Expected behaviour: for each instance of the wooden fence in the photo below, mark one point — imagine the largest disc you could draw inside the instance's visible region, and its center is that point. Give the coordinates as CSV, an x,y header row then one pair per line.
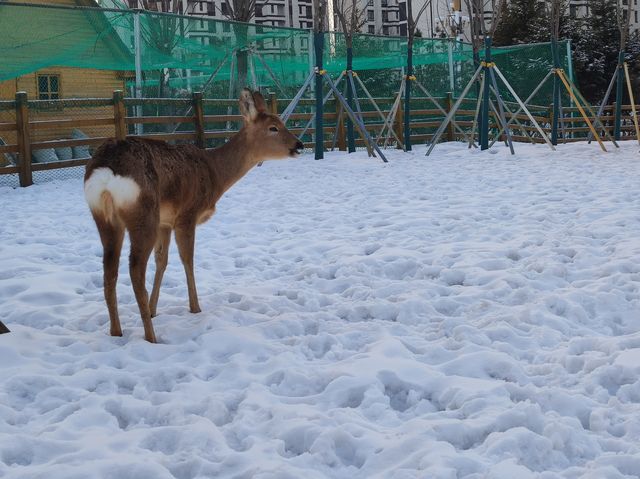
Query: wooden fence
x,y
30,127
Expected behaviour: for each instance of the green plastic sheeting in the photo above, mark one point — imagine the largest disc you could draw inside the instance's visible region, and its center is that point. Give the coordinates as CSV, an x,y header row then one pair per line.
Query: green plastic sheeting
x,y
179,53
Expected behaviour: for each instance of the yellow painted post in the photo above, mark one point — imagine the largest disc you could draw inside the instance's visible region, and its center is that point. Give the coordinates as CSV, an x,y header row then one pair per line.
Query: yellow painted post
x,y
633,101
560,74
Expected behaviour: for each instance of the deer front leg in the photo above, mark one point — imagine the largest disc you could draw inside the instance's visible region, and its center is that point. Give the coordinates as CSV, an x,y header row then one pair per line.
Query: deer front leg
x,y
111,236
142,241
185,239
162,256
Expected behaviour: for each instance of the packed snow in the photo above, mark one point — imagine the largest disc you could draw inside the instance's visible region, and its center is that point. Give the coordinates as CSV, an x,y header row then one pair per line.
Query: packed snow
x,y
465,315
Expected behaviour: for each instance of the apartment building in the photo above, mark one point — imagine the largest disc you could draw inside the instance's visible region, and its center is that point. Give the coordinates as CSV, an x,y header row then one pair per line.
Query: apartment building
x,y
386,17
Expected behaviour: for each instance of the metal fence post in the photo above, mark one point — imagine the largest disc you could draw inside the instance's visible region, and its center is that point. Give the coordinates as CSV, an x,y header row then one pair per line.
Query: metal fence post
x,y
24,139
137,40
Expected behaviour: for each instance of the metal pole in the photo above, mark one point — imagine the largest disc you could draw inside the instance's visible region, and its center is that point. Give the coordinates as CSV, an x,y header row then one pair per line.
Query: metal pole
x,y
632,100
604,101
375,105
556,94
476,114
443,111
354,118
526,110
533,94
324,101
484,122
570,62
318,40
502,117
294,103
351,138
357,103
453,111
452,82
619,92
137,42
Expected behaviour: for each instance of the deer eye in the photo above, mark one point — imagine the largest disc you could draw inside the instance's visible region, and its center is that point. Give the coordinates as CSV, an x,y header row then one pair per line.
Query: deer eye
x,y
274,129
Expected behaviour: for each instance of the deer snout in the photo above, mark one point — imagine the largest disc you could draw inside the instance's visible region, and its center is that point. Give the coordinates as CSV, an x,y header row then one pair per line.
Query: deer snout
x,y
297,149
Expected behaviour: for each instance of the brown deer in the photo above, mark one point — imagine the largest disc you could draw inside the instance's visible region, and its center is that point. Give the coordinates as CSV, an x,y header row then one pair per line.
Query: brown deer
x,y
150,188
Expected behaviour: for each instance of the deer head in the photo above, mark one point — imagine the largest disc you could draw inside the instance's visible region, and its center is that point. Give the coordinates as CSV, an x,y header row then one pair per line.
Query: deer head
x,y
265,134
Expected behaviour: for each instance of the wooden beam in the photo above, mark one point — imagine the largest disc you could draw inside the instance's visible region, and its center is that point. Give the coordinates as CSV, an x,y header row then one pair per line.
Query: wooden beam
x,y
119,114
198,119
24,139
3,328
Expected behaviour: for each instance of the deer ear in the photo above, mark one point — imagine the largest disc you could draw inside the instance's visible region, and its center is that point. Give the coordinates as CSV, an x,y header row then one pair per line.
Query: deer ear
x,y
248,106
258,100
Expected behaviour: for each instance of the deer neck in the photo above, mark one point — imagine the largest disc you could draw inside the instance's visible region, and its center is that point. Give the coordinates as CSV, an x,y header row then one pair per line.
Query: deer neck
x,y
231,161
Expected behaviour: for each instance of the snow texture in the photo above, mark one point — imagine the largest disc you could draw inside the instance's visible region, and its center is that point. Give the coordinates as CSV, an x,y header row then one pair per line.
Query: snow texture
x,y
466,315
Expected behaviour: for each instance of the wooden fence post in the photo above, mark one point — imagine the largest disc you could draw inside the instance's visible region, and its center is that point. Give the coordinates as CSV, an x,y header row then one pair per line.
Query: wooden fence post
x,y
448,106
119,115
273,103
3,328
24,139
399,124
198,119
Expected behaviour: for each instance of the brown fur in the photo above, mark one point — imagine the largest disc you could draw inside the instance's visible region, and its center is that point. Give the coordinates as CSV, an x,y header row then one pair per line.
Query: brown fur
x,y
179,188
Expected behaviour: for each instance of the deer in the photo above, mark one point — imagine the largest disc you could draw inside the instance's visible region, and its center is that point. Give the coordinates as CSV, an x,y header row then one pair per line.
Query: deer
x,y
150,188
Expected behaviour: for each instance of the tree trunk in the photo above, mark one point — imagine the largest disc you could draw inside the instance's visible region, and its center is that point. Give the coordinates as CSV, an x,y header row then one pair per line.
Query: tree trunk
x,y
351,141
619,97
407,96
556,94
318,40
484,126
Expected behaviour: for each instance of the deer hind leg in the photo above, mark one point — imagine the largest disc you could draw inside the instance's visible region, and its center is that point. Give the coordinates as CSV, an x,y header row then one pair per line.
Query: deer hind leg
x,y
162,256
143,237
185,239
111,236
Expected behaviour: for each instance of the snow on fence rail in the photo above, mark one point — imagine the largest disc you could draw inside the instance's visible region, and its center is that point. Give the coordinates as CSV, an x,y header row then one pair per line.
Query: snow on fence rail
x,y
37,135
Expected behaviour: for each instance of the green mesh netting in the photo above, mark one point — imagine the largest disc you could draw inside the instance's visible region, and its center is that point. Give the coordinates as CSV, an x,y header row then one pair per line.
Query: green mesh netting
x,y
179,54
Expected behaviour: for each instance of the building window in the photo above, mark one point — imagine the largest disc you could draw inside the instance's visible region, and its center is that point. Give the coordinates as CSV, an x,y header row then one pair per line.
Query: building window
x,y
370,15
225,9
385,30
370,3
385,16
372,29
48,87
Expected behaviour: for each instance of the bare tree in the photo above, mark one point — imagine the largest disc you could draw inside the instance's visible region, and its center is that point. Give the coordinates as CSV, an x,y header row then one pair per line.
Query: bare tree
x,y
351,17
164,32
623,19
484,18
242,11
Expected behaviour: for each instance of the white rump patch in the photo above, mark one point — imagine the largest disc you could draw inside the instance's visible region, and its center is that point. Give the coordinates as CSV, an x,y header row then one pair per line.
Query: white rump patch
x,y
123,190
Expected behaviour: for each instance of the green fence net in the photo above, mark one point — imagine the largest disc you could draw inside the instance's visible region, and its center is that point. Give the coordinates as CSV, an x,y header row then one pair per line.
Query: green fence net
x,y
179,54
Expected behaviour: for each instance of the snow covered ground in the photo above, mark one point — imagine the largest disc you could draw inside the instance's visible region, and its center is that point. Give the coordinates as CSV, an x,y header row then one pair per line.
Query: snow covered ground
x,y
467,315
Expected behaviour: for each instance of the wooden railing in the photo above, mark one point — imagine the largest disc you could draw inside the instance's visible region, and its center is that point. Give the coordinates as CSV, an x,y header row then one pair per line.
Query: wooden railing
x,y
30,127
